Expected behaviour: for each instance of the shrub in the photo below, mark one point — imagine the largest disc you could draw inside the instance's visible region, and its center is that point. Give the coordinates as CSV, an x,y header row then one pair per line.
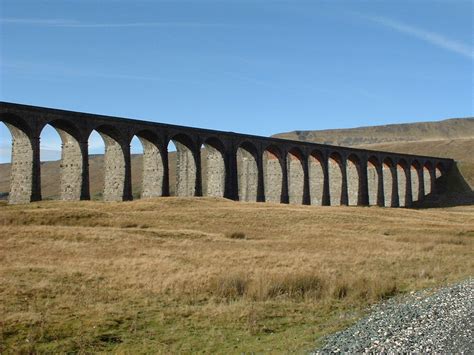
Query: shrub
x,y
236,235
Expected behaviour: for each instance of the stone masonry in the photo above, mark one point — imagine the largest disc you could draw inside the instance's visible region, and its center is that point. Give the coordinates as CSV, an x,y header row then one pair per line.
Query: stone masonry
x,y
236,166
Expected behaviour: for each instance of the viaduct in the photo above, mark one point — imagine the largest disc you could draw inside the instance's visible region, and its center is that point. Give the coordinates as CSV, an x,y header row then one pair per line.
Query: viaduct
x,y
235,166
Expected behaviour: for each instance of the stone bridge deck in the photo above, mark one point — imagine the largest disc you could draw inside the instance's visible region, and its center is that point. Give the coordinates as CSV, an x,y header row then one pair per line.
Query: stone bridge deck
x,y
237,166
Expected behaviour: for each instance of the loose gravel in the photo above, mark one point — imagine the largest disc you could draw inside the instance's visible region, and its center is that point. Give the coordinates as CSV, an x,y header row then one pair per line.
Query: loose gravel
x,y
439,322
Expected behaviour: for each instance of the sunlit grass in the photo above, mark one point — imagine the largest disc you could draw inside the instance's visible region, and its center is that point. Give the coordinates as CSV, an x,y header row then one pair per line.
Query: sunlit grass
x,y
184,275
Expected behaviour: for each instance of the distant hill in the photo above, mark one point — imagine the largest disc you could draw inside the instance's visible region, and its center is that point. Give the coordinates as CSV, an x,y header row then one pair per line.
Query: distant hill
x,y
454,128
452,138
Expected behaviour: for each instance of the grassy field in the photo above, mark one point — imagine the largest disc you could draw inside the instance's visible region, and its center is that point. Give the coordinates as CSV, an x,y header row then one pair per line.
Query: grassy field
x,y
210,275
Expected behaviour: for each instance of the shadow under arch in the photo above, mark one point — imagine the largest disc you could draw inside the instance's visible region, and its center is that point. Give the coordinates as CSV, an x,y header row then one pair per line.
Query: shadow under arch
x,y
353,180
440,182
247,172
316,177
335,178
213,167
295,173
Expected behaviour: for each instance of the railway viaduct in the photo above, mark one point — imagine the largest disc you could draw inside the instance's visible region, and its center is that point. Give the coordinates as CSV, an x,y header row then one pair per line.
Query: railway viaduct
x,y
235,166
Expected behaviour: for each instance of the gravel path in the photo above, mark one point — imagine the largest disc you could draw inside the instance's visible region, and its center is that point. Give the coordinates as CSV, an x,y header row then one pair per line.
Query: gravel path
x,y
440,322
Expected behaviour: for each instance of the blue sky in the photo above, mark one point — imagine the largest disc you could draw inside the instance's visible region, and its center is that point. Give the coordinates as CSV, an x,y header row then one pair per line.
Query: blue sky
x,y
258,67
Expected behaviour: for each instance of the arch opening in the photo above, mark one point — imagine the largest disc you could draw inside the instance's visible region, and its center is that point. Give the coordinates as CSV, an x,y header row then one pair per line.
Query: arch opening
x,y
295,176
5,144
182,166
96,149
247,172
373,180
353,180
335,179
402,183
316,178
136,161
273,174
5,160
213,168
55,171
387,182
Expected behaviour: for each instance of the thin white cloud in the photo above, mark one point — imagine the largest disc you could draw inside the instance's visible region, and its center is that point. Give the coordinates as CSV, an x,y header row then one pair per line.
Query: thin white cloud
x,y
427,36
37,22
78,24
58,69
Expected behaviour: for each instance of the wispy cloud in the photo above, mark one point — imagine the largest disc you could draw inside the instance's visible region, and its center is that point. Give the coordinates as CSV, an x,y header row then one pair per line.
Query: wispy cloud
x,y
59,70
426,36
79,24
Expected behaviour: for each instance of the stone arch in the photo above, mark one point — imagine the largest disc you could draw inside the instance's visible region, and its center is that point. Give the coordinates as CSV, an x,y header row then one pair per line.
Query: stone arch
x,y
387,175
427,177
272,174
353,179
73,155
373,176
24,175
247,172
213,167
115,188
415,180
402,183
186,168
316,178
335,178
295,171
19,123
152,169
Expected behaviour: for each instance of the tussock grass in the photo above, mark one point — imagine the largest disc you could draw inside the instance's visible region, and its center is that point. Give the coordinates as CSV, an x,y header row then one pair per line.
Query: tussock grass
x,y
236,235
265,287
166,275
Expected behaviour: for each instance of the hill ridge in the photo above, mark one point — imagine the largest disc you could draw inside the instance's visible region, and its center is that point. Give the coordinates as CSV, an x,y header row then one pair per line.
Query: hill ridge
x,y
452,128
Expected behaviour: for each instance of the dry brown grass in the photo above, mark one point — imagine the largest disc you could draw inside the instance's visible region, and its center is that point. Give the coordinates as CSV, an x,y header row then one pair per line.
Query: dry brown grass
x,y
166,275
